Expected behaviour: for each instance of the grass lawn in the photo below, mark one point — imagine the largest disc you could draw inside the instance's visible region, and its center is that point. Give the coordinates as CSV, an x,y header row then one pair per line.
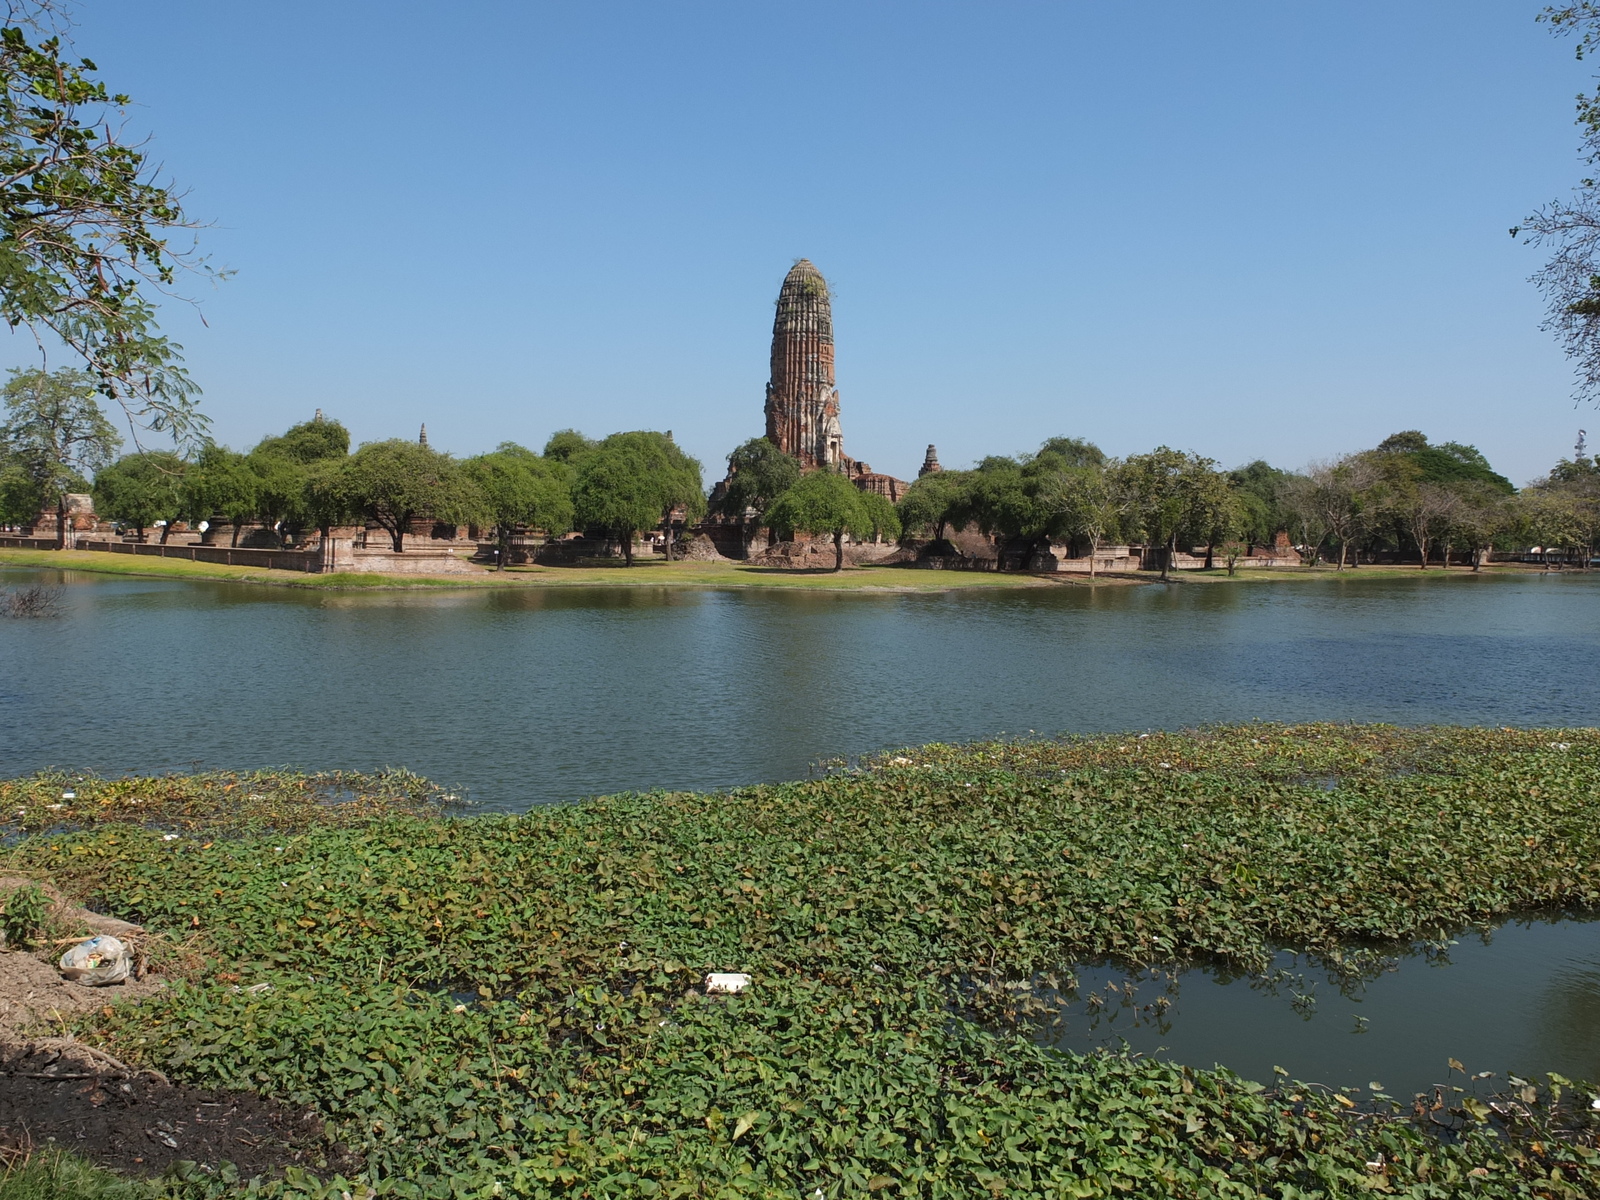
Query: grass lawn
x,y
646,574
657,573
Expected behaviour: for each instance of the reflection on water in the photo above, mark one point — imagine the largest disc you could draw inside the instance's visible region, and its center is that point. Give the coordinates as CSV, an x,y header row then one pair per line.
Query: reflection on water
x,y
530,695
1523,1000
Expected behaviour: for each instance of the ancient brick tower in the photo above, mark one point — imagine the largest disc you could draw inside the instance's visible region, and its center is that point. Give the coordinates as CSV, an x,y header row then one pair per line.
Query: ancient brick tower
x,y
802,401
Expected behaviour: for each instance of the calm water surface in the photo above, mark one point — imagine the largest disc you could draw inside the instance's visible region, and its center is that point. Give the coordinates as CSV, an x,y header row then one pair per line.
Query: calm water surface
x,y
525,696
1524,999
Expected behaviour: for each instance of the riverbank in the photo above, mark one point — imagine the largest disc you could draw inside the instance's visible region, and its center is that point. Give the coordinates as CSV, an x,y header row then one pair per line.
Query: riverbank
x,y
657,573
647,573
518,1005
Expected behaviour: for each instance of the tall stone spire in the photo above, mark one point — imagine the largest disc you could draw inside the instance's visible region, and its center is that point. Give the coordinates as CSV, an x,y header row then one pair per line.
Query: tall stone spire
x,y
802,402
422,438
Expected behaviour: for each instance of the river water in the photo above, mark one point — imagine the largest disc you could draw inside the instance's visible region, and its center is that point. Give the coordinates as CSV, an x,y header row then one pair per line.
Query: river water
x,y
527,696
1523,998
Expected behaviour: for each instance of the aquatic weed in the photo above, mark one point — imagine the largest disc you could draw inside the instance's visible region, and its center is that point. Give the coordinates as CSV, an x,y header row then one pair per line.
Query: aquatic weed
x,y
894,920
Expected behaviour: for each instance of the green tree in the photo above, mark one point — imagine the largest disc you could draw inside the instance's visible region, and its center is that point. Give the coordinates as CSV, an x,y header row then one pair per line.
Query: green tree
x,y
1071,452
1428,509
55,434
1563,509
1020,502
935,502
1087,504
1165,493
634,481
1446,463
20,497
1259,487
142,490
826,504
758,473
286,466
568,446
1300,503
520,489
308,442
1001,504
84,232
883,521
325,495
221,483
1351,495
396,481
1218,514
1481,516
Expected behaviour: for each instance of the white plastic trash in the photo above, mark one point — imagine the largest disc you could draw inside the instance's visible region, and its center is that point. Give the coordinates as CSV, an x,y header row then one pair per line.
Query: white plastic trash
x,y
97,962
727,981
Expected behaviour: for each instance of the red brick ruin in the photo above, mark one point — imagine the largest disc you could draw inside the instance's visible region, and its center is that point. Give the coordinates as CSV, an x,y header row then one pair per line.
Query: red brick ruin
x,y
802,407
802,402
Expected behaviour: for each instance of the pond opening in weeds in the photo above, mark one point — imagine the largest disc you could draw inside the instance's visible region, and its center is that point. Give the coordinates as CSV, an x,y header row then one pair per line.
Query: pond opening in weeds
x,y
1523,999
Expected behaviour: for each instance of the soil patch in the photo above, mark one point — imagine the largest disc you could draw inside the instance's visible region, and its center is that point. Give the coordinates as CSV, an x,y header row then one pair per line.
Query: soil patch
x,y
60,1093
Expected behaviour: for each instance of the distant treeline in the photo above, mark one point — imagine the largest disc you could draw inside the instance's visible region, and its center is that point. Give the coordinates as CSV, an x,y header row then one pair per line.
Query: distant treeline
x,y
1404,497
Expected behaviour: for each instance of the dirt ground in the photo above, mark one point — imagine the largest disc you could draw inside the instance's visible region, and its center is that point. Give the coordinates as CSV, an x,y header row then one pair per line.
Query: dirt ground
x,y
58,1091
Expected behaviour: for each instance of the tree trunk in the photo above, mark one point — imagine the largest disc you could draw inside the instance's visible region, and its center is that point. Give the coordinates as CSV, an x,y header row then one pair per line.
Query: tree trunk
x,y
1094,545
235,542
1210,550
505,548
165,530
1447,556
397,537
627,547
61,520
1167,552
838,550
1422,544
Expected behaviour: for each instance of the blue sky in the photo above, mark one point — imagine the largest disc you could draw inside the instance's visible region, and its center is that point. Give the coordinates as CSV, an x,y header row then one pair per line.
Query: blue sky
x,y
1247,229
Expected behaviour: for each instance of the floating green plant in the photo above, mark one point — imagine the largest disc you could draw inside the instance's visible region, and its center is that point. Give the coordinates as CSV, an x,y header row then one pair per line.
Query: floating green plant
x,y
519,1002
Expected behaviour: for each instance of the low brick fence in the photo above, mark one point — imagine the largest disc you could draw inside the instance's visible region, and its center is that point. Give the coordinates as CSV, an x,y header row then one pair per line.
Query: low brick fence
x,y
233,556
17,541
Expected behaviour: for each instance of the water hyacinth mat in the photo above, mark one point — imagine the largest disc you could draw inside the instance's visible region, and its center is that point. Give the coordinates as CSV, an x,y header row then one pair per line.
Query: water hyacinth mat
x,y
517,1005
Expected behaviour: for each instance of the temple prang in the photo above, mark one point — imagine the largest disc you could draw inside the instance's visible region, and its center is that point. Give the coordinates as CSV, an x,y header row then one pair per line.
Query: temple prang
x,y
802,406
802,402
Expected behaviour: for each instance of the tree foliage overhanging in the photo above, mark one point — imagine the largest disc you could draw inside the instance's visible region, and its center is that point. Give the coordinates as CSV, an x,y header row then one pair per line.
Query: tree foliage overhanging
x,y
85,224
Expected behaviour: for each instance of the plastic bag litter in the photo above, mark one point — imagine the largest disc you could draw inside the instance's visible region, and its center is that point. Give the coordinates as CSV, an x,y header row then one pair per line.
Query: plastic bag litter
x,y
97,962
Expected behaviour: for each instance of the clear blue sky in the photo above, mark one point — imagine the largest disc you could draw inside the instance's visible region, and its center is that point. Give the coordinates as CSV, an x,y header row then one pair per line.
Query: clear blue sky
x,y
1248,229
